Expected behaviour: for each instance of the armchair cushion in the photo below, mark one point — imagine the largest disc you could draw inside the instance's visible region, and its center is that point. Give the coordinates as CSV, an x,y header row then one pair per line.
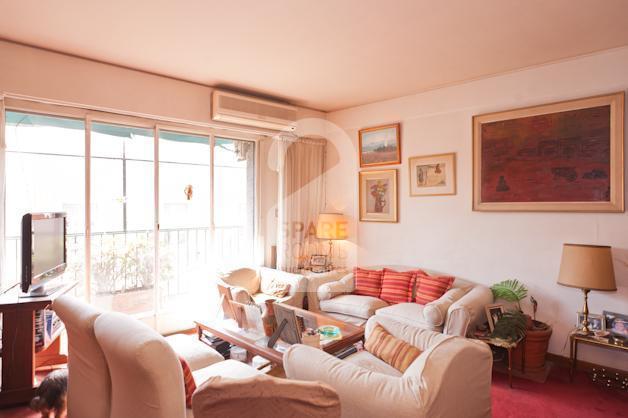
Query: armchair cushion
x,y
274,287
188,381
354,305
393,351
297,282
368,361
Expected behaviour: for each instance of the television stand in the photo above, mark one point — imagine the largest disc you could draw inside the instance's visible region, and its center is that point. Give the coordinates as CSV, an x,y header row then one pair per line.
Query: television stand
x,y
42,291
19,358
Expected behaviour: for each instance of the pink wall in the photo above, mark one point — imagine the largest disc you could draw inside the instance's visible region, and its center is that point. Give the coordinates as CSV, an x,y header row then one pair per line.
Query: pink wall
x,y
443,233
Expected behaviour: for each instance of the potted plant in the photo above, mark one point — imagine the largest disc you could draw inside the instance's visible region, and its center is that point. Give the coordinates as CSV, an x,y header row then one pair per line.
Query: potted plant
x,y
516,324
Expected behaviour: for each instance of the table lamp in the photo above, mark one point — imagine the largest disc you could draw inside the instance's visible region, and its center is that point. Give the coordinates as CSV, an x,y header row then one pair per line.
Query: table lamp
x,y
587,267
331,226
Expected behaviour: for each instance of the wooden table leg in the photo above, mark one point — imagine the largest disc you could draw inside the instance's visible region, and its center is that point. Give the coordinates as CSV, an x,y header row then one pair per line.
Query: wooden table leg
x,y
510,367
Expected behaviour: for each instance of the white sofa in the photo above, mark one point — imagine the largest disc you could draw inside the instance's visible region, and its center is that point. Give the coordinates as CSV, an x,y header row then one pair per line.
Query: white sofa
x,y
247,284
455,313
450,379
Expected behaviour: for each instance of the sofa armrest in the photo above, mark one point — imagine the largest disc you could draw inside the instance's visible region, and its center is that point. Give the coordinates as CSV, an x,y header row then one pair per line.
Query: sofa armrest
x,y
316,280
240,294
435,312
468,311
297,282
362,392
333,289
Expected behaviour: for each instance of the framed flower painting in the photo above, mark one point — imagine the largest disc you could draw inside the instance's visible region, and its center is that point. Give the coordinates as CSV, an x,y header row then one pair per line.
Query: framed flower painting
x,y
378,196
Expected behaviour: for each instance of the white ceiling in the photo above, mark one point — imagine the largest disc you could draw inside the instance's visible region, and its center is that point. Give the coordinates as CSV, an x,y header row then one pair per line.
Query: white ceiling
x,y
323,54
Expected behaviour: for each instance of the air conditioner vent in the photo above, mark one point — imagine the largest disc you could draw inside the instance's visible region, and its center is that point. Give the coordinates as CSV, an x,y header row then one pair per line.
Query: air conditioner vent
x,y
251,111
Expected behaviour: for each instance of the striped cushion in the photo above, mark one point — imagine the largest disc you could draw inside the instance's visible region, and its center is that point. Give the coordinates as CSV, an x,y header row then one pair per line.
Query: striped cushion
x,y
367,282
397,286
393,351
188,382
430,288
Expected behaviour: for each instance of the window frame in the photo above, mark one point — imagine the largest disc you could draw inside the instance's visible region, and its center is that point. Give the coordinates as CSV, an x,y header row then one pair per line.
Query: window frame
x,y
90,116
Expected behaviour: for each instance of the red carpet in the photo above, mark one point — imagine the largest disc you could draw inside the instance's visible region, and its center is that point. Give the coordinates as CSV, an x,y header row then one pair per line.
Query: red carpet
x,y
556,398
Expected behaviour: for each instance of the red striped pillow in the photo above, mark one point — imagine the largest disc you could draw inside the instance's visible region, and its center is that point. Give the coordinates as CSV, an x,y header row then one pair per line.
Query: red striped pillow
x,y
367,282
430,288
397,286
188,382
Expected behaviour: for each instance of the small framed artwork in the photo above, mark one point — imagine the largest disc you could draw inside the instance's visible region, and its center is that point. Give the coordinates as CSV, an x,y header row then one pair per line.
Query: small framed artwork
x,y
493,314
318,260
596,322
560,157
433,175
380,145
378,196
616,324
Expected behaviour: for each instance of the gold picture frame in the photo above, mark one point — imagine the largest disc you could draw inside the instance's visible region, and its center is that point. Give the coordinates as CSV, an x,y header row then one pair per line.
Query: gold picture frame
x,y
558,157
374,145
432,175
493,312
379,198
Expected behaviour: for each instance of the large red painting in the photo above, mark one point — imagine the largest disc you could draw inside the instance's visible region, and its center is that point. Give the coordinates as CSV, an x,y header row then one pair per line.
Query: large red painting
x,y
555,157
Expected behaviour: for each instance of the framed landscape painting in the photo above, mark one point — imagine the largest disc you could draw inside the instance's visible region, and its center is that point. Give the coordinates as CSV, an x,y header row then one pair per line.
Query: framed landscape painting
x,y
565,156
433,175
380,145
378,196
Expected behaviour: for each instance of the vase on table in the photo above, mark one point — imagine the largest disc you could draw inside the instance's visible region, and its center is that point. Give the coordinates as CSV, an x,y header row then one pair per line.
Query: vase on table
x,y
268,318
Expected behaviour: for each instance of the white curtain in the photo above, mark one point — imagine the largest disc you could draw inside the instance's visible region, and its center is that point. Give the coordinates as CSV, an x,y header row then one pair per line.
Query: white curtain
x,y
2,196
301,163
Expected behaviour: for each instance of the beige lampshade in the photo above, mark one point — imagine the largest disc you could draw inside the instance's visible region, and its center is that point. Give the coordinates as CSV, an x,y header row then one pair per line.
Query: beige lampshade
x,y
587,267
332,226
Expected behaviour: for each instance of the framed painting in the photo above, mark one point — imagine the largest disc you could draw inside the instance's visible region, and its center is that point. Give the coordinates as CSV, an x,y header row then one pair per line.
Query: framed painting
x,y
378,196
565,156
380,145
433,175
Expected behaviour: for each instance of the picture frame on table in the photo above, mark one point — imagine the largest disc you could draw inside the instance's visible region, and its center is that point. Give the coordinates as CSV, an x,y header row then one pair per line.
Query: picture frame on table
x,y
380,145
432,175
616,324
556,157
379,198
319,260
494,312
596,321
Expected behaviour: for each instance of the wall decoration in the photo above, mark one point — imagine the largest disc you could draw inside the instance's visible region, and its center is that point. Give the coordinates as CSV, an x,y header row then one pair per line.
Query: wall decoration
x,y
378,196
432,175
564,156
380,145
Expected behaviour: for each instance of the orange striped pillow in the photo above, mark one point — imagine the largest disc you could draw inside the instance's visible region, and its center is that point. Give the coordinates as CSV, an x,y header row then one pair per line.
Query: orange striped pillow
x,y
367,282
393,351
397,286
188,382
430,288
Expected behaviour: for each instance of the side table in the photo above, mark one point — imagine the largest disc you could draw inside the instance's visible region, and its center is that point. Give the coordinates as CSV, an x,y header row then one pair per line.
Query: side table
x,y
509,346
576,338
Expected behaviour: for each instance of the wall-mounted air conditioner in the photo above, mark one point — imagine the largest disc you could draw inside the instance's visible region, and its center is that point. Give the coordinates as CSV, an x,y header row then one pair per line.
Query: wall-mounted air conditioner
x,y
251,111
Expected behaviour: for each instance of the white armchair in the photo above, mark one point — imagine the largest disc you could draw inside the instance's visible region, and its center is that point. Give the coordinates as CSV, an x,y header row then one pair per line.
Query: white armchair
x,y
248,284
451,378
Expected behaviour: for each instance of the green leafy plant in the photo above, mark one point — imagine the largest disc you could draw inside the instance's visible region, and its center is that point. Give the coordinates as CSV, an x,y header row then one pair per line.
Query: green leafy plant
x,y
511,326
510,290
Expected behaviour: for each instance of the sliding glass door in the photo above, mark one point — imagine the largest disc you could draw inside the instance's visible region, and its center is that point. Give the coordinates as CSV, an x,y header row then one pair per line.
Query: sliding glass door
x,y
122,218
193,194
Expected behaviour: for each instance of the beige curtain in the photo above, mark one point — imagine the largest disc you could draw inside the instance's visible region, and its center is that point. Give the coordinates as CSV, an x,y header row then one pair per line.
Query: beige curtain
x,y
301,163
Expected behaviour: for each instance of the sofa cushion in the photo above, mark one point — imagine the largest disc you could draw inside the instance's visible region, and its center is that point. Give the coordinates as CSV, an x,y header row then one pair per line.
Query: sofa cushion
x,y
188,381
367,282
430,288
196,353
410,314
436,312
274,287
398,353
261,298
397,286
227,368
354,305
368,361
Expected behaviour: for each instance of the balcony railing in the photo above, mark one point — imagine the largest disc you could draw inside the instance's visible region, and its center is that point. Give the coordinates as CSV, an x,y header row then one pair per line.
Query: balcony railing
x,y
123,261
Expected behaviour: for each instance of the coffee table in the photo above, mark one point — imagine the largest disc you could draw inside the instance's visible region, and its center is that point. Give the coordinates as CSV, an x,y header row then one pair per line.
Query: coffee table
x,y
256,342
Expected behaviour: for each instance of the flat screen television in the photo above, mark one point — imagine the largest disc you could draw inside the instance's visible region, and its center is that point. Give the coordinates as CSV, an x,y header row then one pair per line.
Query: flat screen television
x,y
44,255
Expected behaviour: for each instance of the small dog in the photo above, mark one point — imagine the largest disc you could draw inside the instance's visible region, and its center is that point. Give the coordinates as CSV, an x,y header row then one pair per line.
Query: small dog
x,y
51,395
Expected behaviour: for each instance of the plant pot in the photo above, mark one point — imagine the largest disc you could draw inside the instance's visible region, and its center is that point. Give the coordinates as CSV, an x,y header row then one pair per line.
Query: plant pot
x,y
536,343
